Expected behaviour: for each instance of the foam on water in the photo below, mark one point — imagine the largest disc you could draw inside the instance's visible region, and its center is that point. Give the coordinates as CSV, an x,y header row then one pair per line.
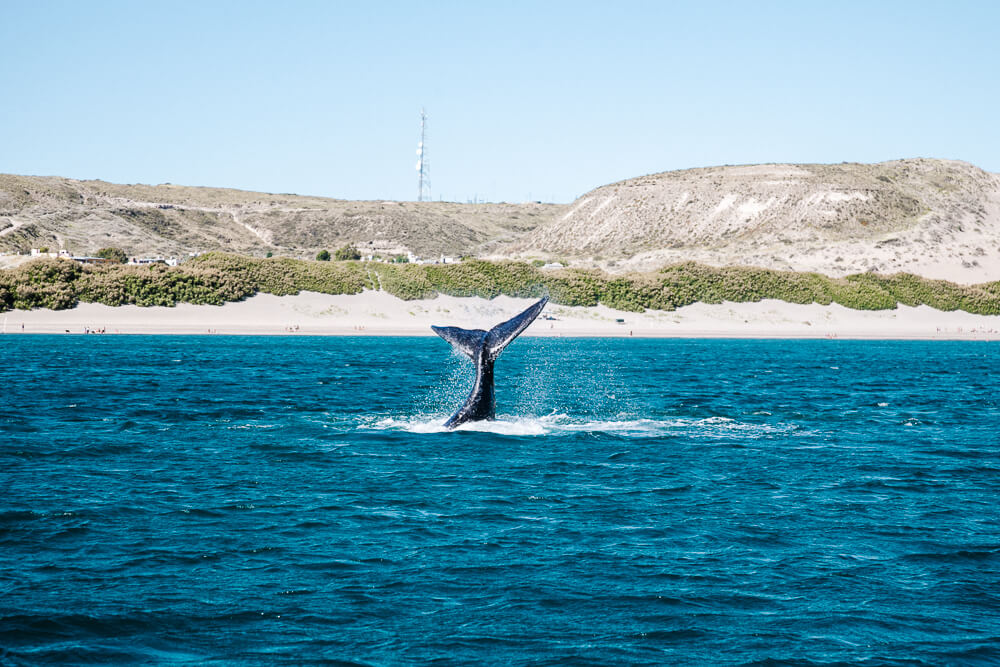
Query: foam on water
x,y
556,424
435,424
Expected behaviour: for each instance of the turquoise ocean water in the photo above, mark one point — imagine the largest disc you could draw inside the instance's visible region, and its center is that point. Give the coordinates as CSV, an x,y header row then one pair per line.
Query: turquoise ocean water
x,y
240,500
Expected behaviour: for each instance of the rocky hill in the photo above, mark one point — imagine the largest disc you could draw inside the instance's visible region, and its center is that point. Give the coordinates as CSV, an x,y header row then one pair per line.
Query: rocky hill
x,y
171,220
932,217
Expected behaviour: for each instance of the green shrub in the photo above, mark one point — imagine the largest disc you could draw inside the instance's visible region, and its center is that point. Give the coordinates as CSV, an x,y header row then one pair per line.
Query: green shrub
x,y
115,255
44,283
406,281
47,271
159,285
323,255
281,275
6,298
346,253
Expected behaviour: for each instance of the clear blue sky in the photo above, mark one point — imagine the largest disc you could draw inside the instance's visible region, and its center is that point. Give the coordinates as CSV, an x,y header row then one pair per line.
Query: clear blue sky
x,y
539,100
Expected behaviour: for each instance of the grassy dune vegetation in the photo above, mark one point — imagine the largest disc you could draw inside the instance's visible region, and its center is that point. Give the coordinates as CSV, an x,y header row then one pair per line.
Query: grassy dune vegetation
x,y
217,278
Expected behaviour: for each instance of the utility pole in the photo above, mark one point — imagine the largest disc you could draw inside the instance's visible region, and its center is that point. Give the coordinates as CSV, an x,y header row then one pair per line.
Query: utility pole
x,y
423,166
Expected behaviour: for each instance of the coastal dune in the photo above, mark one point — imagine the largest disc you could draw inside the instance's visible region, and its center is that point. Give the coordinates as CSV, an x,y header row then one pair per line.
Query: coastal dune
x,y
934,218
379,313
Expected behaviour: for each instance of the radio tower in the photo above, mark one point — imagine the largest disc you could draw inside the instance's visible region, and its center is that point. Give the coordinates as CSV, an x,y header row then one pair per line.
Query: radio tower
x,y
423,166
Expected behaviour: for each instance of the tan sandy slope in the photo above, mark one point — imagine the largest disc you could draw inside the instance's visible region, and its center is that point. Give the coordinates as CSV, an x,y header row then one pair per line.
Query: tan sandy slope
x,y
936,218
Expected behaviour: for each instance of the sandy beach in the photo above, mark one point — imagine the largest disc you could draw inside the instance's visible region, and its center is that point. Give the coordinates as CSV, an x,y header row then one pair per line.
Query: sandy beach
x,y
378,313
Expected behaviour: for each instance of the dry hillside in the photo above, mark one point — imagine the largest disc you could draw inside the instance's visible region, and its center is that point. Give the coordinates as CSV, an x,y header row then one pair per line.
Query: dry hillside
x,y
170,220
936,218
933,217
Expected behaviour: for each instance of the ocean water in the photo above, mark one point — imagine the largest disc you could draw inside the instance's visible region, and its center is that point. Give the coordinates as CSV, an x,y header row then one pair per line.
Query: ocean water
x,y
239,500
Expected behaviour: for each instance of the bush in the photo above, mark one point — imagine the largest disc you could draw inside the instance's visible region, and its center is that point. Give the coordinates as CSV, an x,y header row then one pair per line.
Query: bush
x,y
406,281
346,253
6,298
44,283
158,285
282,276
115,255
323,255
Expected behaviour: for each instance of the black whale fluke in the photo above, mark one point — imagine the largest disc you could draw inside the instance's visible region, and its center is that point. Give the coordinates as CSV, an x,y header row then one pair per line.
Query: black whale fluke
x,y
483,348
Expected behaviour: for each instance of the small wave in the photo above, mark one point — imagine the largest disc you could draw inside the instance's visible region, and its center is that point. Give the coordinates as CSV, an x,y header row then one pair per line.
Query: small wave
x,y
561,424
251,426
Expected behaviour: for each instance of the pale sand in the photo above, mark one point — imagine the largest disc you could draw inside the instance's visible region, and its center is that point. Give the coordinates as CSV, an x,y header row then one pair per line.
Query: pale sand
x,y
378,313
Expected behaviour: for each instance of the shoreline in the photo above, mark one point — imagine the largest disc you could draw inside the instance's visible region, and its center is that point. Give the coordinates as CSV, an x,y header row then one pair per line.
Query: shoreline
x,y
692,336
380,314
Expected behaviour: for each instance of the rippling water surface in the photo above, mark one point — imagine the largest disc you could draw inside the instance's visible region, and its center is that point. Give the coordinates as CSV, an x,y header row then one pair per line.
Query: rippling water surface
x,y
268,500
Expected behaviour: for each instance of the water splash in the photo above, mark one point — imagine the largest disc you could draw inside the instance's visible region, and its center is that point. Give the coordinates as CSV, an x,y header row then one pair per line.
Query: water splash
x,y
556,424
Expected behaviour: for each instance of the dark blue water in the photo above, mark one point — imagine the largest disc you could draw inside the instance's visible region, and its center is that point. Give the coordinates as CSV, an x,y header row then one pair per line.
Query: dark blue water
x,y
270,500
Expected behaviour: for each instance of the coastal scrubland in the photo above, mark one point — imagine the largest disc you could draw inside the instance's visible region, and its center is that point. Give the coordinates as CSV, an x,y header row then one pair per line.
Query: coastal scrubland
x,y
217,278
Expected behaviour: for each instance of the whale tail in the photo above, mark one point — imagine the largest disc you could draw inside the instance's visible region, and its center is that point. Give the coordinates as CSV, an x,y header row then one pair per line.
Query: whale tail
x,y
483,348
470,341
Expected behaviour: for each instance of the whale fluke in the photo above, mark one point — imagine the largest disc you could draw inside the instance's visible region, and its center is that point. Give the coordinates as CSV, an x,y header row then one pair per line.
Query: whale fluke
x,y
466,341
483,348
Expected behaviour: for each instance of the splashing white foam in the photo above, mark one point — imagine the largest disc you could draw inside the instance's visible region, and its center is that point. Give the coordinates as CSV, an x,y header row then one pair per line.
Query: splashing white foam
x,y
560,424
423,424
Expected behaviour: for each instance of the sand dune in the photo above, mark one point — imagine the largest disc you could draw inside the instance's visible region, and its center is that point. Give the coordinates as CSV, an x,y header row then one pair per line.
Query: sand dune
x,y
935,218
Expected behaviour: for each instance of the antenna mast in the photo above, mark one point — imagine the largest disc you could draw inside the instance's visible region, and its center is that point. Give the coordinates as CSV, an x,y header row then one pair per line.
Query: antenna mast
x,y
423,166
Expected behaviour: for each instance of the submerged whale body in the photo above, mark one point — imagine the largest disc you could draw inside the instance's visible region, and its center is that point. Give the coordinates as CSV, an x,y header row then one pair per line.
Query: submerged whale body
x,y
483,348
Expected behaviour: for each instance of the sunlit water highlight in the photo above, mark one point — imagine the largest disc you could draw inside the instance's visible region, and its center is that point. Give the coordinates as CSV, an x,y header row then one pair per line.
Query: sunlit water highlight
x,y
270,500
